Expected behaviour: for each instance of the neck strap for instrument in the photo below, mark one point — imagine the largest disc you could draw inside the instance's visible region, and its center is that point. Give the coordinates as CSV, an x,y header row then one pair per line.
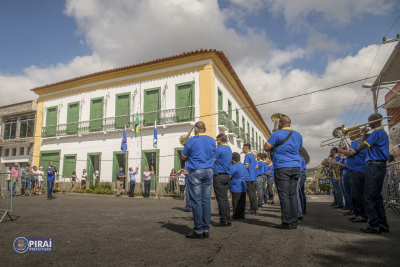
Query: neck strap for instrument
x,y
287,138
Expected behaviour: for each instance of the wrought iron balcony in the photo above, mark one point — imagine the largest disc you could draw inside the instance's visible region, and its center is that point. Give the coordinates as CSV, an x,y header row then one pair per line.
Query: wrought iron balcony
x,y
163,117
223,119
241,134
233,127
247,138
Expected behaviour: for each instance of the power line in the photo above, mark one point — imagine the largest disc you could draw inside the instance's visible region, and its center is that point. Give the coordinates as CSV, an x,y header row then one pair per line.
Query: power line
x,y
392,25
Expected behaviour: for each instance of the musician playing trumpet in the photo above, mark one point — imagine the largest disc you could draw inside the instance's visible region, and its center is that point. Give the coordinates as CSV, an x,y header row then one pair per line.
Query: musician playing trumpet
x,y
337,192
377,145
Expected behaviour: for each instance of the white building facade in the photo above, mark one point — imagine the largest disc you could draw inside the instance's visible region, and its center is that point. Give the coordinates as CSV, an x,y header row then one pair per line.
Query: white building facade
x,y
81,121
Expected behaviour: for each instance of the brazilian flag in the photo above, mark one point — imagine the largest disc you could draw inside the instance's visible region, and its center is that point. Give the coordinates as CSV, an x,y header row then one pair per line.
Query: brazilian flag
x,y
137,124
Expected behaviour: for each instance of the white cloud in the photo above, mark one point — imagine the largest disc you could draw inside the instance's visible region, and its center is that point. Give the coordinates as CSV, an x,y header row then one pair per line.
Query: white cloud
x,y
127,32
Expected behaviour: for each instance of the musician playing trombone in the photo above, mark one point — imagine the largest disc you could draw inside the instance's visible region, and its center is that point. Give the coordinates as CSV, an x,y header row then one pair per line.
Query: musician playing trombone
x,y
375,171
355,162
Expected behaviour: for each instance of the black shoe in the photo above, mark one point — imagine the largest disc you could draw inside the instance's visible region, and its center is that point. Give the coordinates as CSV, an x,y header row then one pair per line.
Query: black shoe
x,y
352,218
360,219
305,212
384,229
333,204
250,212
370,230
260,205
300,218
283,226
221,224
53,197
195,236
188,211
349,213
49,198
272,203
294,226
338,207
206,234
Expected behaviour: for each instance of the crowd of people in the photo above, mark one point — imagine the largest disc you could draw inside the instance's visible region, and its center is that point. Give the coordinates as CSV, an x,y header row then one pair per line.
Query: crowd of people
x,y
357,174
210,165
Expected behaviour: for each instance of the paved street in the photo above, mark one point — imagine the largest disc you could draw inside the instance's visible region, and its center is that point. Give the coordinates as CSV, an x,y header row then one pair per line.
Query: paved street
x,y
95,230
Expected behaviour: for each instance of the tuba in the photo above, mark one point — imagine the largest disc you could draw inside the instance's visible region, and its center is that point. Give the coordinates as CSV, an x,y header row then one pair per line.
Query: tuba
x,y
183,138
275,118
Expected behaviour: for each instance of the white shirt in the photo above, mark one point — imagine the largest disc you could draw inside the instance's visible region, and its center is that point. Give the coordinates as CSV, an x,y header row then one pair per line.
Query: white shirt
x,y
84,175
147,175
182,178
40,176
96,173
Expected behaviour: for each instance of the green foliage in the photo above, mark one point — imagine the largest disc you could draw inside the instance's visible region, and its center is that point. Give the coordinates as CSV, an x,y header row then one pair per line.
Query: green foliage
x,y
325,187
312,188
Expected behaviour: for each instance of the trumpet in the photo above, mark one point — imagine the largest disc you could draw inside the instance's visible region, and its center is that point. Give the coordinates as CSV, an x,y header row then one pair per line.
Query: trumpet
x,y
183,138
342,132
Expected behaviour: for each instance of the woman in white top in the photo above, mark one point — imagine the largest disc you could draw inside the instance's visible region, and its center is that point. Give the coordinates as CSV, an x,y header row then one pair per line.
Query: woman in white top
x,y
182,177
83,180
40,174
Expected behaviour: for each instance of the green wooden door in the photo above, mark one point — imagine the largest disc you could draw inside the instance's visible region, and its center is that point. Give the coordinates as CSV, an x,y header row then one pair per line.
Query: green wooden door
x,y
96,115
237,124
89,170
72,118
178,162
122,111
152,104
149,158
120,160
69,165
46,157
184,97
220,107
51,122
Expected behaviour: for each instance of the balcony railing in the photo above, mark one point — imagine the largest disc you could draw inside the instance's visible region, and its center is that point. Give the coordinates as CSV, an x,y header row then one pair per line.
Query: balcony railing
x,y
242,134
233,127
252,143
247,138
223,118
163,117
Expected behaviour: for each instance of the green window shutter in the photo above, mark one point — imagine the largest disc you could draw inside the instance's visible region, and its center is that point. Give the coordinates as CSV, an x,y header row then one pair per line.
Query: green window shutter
x,y
151,103
220,107
122,108
51,122
69,165
72,118
96,115
46,157
184,97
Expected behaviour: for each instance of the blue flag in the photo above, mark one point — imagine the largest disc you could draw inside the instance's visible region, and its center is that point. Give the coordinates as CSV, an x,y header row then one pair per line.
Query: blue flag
x,y
124,143
155,135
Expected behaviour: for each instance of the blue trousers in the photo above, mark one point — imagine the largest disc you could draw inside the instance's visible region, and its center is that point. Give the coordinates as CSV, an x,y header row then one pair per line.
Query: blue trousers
x,y
338,193
188,205
50,185
200,186
345,184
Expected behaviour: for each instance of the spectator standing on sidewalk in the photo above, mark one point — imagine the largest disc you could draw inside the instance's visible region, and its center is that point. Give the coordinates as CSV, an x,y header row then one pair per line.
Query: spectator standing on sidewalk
x,y
132,181
147,181
120,181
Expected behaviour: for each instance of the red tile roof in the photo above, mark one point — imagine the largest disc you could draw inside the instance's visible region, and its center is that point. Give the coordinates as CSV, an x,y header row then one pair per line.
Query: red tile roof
x,y
220,54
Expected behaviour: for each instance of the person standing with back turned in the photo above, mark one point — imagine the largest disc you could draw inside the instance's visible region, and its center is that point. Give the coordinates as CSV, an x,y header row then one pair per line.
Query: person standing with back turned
x,y
199,152
375,171
221,179
287,164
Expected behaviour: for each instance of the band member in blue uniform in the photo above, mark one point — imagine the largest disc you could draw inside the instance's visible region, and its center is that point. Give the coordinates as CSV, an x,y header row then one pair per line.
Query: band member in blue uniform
x,y
251,178
287,164
260,180
221,179
375,171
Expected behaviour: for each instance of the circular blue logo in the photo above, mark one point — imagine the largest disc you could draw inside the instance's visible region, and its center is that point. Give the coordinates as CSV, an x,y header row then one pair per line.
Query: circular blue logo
x,y
21,245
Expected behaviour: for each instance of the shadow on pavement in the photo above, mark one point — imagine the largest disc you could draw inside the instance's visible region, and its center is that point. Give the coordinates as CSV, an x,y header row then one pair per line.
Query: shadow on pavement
x,y
177,228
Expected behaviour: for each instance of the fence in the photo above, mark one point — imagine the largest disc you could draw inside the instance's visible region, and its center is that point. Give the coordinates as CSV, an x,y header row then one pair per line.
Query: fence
x,y
165,188
6,204
391,187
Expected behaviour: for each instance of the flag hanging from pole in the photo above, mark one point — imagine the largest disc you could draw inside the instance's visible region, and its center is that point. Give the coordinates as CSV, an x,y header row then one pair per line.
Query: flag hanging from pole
x,y
124,143
137,124
155,134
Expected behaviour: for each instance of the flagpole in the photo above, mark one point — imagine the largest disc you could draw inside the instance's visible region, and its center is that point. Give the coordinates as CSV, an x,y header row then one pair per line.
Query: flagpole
x,y
140,133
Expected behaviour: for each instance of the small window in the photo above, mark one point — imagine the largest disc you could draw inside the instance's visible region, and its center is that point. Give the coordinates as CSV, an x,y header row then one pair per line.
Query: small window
x,y
7,152
21,151
14,152
28,149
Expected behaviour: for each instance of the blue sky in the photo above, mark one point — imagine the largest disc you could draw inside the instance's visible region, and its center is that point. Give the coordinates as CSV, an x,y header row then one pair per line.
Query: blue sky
x,y
278,48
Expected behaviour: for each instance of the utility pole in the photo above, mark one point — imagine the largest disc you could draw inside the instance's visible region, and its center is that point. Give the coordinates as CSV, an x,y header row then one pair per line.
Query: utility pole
x,y
374,95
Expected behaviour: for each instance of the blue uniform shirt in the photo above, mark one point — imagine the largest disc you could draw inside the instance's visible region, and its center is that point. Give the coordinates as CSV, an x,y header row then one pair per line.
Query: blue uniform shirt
x,y
200,151
265,168
223,159
286,155
260,170
238,173
378,145
51,176
357,161
303,164
250,162
342,160
271,169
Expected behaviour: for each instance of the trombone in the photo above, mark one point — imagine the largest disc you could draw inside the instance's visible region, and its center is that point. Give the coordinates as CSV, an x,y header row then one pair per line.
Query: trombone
x,y
183,138
341,132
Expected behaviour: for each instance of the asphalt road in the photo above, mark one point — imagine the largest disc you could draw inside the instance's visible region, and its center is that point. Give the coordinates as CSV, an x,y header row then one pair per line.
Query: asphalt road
x,y
95,230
